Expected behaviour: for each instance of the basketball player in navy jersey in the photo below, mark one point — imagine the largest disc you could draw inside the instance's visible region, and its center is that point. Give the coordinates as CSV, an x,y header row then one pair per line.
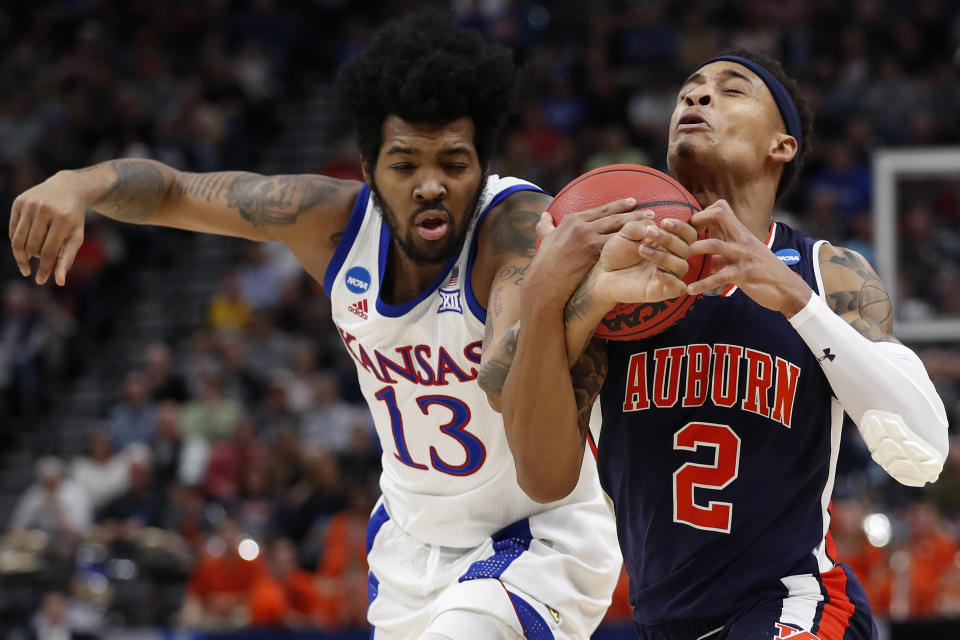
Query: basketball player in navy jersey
x,y
719,436
422,262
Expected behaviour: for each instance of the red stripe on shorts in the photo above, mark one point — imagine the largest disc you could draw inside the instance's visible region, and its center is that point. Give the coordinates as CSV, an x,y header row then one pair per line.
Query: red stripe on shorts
x,y
837,609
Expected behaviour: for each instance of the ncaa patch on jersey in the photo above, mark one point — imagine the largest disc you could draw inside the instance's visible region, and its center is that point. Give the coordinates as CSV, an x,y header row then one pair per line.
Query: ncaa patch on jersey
x,y
788,256
358,280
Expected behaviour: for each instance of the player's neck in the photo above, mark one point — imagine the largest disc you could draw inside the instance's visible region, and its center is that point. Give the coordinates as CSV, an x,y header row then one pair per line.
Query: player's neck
x,y
405,279
751,202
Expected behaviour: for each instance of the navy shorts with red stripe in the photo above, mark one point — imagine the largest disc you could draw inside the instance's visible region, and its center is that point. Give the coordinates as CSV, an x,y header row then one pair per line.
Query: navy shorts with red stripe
x,y
842,613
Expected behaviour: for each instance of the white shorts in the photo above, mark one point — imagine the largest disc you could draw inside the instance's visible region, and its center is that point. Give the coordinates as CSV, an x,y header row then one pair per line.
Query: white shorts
x,y
548,576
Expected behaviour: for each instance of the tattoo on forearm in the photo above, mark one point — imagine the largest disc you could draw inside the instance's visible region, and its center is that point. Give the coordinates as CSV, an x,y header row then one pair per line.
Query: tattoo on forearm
x,y
870,303
514,273
493,373
516,229
588,375
579,302
262,200
134,196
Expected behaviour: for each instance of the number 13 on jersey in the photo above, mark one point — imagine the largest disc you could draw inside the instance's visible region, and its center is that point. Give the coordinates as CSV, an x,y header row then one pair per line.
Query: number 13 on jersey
x,y
456,428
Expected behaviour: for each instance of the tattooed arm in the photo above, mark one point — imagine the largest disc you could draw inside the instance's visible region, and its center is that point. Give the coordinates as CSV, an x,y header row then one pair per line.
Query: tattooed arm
x,y
505,247
855,293
47,220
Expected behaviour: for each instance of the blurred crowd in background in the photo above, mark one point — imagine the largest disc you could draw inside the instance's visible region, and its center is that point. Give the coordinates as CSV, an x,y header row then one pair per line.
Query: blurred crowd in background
x,y
228,474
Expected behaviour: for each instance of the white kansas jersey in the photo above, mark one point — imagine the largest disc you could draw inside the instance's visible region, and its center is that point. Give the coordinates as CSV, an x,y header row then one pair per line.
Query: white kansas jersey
x,y
448,475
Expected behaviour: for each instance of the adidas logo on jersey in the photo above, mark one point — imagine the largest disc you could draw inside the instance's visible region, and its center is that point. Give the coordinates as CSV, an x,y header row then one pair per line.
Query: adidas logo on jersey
x,y
359,308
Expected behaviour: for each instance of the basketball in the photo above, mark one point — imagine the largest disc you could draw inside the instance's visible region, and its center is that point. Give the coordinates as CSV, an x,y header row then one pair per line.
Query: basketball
x,y
653,190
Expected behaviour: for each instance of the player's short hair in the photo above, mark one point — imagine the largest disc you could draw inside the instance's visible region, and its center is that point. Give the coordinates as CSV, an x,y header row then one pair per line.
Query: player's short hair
x,y
791,170
427,70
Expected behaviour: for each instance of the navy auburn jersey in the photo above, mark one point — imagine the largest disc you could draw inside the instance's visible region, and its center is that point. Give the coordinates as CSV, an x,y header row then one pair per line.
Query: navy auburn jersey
x,y
718,448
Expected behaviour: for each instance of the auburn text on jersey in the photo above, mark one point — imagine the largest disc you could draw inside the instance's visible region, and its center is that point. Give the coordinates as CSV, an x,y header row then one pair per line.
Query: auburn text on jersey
x,y
726,375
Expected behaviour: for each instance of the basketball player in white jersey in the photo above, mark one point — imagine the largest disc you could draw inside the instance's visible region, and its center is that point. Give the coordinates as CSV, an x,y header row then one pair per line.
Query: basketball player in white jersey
x,y
416,259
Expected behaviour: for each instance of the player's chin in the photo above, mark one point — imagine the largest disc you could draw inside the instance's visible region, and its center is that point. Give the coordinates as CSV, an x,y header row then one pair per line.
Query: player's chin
x,y
434,252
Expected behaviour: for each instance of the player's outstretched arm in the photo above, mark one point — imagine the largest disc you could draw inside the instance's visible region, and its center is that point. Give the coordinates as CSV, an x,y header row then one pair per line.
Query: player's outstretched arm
x,y
46,221
881,384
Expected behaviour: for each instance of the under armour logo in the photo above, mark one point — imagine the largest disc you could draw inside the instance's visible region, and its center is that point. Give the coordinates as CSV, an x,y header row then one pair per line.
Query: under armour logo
x,y
827,355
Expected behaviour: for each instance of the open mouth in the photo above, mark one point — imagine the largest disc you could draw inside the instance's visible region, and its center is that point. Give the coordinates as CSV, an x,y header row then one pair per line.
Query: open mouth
x,y
692,121
432,224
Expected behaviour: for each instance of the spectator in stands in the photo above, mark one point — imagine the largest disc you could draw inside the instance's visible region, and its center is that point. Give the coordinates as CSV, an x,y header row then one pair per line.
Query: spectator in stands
x,y
847,180
286,595
240,375
217,589
168,446
361,461
317,497
259,281
162,381
102,473
58,620
932,553
228,460
343,566
274,410
23,339
300,386
256,500
329,421
229,309
134,418
212,416
268,347
203,360
286,457
141,505
53,504
187,514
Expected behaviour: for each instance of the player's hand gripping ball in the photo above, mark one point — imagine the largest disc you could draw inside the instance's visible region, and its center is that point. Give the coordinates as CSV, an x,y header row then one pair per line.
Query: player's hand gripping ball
x,y
664,196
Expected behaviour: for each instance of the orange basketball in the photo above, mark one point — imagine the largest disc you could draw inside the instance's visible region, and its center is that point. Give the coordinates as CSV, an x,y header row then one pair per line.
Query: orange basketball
x,y
653,190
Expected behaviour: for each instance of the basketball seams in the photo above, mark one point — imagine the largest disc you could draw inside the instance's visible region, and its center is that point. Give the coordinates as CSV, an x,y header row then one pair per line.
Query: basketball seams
x,y
663,203
606,180
650,172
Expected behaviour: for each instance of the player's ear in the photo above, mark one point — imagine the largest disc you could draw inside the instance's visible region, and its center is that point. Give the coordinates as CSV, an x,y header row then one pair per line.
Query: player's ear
x,y
367,170
783,147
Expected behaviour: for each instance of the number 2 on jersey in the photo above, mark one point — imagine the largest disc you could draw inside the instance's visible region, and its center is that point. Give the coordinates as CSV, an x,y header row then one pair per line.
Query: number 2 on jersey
x,y
475,452
716,516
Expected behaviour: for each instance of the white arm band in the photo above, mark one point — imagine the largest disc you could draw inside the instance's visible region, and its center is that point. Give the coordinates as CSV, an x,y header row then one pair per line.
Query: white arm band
x,y
885,389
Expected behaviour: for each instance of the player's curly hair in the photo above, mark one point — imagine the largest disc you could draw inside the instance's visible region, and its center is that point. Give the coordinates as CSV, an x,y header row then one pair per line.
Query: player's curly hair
x,y
427,70
791,170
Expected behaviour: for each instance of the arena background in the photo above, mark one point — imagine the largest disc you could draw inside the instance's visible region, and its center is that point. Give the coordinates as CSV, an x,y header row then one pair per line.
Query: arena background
x,y
196,383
